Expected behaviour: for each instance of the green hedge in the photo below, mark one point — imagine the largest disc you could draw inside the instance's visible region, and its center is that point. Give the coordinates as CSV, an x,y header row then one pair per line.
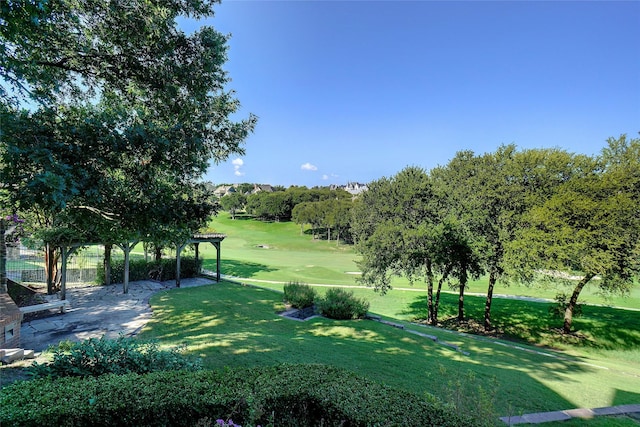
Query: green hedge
x,y
286,395
139,269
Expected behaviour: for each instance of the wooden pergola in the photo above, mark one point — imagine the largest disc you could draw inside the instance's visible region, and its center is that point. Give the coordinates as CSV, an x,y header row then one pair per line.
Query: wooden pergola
x,y
214,238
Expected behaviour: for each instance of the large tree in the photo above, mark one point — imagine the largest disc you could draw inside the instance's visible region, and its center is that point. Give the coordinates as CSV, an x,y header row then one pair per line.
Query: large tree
x,y
489,193
589,225
397,228
233,202
116,114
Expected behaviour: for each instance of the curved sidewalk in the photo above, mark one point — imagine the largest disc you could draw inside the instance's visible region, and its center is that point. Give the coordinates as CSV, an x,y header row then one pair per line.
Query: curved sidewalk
x,y
98,311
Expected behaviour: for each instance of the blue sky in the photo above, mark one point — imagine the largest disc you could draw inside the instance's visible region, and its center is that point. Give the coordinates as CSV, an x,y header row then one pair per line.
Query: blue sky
x,y
356,90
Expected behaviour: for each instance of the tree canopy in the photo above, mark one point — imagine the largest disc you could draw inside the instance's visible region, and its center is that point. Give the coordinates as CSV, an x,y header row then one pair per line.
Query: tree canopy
x,y
514,214
111,115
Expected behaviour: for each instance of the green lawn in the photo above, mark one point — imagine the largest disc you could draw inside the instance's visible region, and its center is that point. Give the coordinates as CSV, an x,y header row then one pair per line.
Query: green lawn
x,y
230,325
275,251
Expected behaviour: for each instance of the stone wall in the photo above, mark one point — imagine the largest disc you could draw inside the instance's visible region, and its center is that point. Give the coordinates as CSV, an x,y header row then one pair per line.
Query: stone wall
x,y
10,318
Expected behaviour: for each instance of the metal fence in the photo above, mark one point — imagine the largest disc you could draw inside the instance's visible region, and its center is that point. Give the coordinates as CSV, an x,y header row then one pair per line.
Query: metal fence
x,y
26,265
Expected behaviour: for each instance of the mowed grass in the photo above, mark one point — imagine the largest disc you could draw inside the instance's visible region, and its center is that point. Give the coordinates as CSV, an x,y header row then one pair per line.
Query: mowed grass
x,y
230,325
233,325
278,251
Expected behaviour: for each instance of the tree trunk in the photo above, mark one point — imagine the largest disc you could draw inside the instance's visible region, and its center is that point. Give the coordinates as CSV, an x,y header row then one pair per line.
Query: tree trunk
x,y
436,305
51,269
158,253
487,306
463,284
568,314
107,263
429,271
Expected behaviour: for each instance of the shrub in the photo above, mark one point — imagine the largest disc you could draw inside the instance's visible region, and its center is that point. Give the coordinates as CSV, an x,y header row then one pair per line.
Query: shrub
x,y
139,269
95,357
342,305
299,295
286,395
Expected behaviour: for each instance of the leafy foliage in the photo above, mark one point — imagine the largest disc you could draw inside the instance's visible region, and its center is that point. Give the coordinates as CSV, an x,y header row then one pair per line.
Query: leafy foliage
x,y
342,304
233,202
299,295
95,357
111,114
291,395
589,224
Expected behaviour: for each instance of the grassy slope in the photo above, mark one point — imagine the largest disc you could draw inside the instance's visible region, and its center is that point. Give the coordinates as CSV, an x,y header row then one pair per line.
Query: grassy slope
x,y
226,325
233,325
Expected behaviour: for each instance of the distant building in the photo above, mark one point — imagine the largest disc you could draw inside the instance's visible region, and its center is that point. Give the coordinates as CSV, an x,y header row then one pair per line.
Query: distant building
x,y
351,187
259,188
223,190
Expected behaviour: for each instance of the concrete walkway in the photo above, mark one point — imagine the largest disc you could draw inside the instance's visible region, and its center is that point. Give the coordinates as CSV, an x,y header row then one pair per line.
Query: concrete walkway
x,y
545,417
98,311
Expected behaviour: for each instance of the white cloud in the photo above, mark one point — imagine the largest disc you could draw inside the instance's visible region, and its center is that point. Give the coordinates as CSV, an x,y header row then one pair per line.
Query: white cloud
x,y
325,177
309,167
237,164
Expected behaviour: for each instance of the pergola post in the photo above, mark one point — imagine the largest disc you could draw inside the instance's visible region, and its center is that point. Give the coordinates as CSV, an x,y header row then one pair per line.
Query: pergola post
x,y
197,248
179,249
217,246
126,248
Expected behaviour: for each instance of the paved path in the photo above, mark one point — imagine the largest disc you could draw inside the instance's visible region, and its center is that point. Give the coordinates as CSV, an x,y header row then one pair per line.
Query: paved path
x,y
544,417
98,311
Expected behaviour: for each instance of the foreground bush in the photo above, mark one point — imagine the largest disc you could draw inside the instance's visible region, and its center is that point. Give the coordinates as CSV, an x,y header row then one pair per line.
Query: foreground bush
x,y
299,295
287,395
341,304
162,270
94,357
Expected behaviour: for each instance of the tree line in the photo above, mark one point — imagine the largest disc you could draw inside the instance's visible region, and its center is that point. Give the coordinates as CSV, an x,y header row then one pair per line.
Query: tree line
x,y
524,215
327,211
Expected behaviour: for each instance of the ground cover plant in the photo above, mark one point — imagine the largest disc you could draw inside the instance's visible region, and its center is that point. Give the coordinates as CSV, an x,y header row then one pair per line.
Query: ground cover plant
x,y
101,356
230,325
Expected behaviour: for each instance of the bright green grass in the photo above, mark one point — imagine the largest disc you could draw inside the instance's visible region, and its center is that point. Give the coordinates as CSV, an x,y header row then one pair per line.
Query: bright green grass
x,y
609,349
232,325
288,255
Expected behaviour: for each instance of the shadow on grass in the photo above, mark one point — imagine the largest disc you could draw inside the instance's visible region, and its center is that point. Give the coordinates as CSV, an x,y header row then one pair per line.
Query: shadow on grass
x,y
623,397
234,325
599,327
236,268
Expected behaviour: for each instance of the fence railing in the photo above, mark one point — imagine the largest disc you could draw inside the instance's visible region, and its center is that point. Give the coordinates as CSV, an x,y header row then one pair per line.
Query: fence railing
x,y
25,265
